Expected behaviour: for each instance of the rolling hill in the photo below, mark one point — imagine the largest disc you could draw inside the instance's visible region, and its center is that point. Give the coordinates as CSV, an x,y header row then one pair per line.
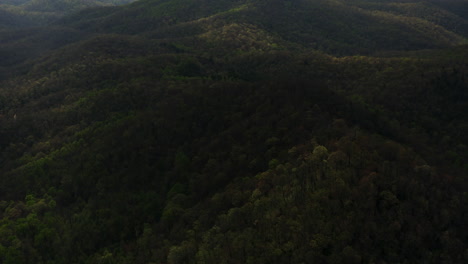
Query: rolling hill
x,y
41,12
236,131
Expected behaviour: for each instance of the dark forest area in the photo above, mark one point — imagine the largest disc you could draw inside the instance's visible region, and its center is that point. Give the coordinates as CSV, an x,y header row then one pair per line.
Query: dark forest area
x,y
233,131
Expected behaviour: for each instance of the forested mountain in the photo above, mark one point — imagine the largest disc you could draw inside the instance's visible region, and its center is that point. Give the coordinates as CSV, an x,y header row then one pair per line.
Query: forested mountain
x,y
234,131
10,20
39,12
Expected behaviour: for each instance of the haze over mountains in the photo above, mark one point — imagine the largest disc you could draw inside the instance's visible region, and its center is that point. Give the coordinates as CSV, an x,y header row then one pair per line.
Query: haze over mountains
x,y
233,131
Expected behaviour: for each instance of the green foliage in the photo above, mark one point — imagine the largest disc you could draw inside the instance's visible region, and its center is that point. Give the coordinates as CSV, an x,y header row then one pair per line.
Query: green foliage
x,y
230,132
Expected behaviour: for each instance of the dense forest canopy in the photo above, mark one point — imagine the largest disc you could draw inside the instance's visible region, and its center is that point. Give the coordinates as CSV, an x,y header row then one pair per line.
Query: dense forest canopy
x,y
233,131
41,12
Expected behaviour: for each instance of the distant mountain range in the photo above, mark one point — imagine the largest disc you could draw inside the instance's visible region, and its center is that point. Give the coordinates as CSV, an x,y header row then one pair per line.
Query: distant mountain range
x,y
21,13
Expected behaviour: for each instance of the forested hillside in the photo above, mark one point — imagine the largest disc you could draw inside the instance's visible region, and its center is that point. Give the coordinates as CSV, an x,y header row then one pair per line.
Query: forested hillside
x,y
235,131
41,12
